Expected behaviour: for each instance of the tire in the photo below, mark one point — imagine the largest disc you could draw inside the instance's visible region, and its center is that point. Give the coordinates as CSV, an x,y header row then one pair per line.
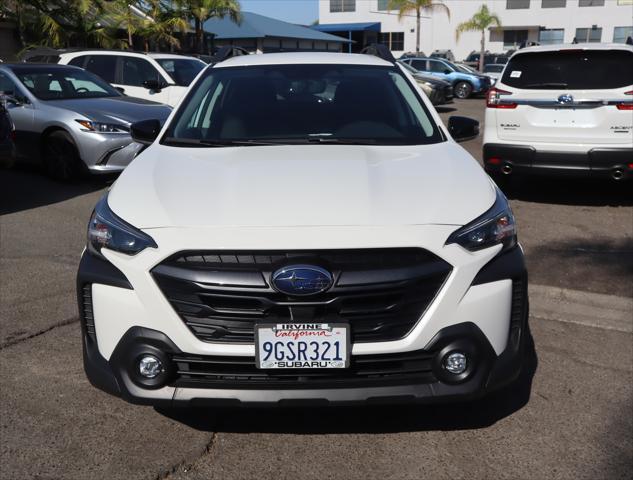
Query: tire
x,y
60,157
462,90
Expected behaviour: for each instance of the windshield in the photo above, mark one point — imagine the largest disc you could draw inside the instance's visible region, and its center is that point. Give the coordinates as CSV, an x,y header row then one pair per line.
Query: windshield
x,y
286,104
181,70
465,68
570,69
63,83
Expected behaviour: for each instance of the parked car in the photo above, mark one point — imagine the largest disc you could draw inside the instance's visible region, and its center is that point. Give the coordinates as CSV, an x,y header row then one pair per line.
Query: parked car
x,y
445,54
304,229
562,109
500,58
7,134
160,77
70,120
412,55
438,91
464,84
493,70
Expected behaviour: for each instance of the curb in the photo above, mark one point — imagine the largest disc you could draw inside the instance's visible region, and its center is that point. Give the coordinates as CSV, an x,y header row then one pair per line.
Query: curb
x,y
597,310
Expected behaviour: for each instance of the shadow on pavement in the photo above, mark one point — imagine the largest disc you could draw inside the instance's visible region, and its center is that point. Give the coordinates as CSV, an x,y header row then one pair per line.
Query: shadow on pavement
x,y
23,188
368,419
445,109
569,191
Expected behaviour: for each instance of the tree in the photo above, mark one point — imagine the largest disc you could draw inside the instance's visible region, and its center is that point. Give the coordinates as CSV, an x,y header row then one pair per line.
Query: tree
x,y
408,7
199,11
161,23
480,22
125,18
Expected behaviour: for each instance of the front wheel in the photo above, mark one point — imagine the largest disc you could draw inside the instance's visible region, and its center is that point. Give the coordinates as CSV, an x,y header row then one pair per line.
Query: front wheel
x,y
60,156
463,90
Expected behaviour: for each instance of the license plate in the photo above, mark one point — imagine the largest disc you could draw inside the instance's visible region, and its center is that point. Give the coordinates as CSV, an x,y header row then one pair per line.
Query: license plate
x,y
302,345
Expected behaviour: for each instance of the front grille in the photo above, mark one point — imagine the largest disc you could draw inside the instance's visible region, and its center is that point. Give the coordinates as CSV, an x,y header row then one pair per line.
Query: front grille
x,y
381,293
365,370
87,313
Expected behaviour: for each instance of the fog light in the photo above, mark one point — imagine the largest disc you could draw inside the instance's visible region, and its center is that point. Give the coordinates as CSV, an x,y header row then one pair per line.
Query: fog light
x,y
149,366
455,363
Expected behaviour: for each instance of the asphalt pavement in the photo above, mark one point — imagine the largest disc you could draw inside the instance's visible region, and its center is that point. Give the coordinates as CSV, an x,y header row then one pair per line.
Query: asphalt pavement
x,y
569,416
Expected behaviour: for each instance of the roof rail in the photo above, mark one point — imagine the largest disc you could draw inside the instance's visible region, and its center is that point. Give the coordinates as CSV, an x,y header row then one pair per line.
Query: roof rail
x,y
379,50
227,52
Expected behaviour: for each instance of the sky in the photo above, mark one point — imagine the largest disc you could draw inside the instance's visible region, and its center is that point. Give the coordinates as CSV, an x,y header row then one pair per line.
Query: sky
x,y
293,11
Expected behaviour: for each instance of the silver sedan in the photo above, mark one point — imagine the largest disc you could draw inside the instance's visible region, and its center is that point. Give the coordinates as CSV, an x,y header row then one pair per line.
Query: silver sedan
x,y
68,120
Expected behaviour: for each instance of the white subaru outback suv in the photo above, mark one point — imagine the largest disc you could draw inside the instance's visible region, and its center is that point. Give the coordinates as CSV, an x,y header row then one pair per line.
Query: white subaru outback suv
x,y
303,229
562,109
160,77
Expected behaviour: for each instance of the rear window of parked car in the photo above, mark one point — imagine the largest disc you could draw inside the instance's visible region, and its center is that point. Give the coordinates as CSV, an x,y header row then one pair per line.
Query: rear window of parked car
x,y
571,69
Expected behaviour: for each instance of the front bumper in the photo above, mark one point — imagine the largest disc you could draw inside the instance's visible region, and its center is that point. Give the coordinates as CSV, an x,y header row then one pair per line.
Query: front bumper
x,y
525,159
496,363
106,153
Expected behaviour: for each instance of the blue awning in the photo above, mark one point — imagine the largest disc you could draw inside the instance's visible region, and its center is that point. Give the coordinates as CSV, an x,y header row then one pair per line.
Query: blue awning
x,y
348,27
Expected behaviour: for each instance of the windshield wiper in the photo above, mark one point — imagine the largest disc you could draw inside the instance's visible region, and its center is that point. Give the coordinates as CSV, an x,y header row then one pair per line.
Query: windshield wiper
x,y
546,85
196,142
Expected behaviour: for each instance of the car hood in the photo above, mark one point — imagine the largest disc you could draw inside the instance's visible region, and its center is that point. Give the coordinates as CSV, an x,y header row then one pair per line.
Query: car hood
x,y
118,109
302,186
431,80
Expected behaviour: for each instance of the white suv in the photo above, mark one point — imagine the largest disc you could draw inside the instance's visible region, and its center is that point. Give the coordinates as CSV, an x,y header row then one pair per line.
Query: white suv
x,y
160,77
563,109
303,229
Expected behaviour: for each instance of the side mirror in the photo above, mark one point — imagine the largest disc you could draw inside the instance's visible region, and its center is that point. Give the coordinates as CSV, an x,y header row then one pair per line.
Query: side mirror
x,y
447,71
463,128
155,85
9,97
121,90
145,131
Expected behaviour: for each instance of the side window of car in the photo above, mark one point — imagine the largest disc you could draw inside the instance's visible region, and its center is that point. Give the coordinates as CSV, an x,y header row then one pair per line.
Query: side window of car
x,y
78,61
103,66
437,67
136,71
6,85
419,65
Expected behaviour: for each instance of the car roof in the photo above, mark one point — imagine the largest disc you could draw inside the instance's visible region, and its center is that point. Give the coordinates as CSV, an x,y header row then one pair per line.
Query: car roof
x,y
575,46
302,58
171,56
39,66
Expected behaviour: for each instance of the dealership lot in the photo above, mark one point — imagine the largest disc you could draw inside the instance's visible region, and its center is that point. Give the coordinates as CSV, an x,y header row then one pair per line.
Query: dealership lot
x,y
569,416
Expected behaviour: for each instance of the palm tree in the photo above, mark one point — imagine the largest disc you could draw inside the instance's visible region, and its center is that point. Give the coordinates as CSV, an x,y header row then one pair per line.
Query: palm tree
x,y
202,10
125,18
407,7
161,23
480,22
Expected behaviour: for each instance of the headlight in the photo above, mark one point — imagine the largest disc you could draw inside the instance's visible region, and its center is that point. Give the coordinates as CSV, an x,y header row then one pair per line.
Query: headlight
x,y
106,230
102,127
494,227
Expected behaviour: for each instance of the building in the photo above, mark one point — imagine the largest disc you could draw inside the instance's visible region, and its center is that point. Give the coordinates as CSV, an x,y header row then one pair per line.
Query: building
x,y
543,21
257,33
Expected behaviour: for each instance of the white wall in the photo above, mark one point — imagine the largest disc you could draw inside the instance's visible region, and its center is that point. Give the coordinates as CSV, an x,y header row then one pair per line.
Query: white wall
x,y
438,32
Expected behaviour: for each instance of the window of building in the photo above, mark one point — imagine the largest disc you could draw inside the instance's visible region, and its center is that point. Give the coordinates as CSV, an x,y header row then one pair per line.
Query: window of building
x,y
383,5
553,3
591,3
620,34
393,40
342,5
516,4
588,35
514,38
551,36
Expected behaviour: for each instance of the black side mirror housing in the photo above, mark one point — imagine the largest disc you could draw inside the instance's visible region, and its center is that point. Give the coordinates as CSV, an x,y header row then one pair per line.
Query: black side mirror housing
x,y
463,128
155,85
121,90
447,71
145,131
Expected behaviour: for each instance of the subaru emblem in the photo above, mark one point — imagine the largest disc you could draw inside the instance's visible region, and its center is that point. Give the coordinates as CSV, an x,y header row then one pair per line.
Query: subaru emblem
x,y
565,99
297,280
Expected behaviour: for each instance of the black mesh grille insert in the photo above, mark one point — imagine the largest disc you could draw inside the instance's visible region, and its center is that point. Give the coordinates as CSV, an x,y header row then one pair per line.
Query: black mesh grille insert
x,y
381,292
86,311
365,370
